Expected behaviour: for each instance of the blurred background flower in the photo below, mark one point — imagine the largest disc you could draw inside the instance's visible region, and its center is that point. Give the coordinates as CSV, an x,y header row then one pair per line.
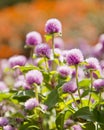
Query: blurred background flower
x,y
80,20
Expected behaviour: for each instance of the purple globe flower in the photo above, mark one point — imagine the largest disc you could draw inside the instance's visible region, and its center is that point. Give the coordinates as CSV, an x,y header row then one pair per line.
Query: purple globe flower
x,y
74,57
69,87
17,60
77,127
33,38
43,50
99,84
31,103
93,63
34,76
21,83
58,42
64,71
53,26
8,127
3,121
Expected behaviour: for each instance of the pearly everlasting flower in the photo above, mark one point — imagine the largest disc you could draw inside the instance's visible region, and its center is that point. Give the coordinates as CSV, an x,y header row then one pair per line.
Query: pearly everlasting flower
x,y
34,76
31,103
3,121
77,127
3,87
33,38
99,84
58,42
17,60
64,71
8,127
74,57
69,87
92,63
53,26
43,50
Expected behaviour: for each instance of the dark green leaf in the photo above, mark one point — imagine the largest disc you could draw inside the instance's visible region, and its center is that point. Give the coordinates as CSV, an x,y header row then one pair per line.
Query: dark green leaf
x,y
60,121
22,96
85,114
52,99
89,126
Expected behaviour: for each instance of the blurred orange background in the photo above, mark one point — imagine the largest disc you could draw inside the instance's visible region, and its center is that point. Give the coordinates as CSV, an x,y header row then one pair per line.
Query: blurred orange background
x,y
80,19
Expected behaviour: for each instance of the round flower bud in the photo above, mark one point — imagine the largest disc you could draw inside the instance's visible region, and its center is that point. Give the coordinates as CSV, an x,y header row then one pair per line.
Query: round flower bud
x,y
93,63
53,26
17,60
69,87
58,42
74,57
77,127
3,121
98,84
34,76
43,50
8,127
33,38
64,71
31,103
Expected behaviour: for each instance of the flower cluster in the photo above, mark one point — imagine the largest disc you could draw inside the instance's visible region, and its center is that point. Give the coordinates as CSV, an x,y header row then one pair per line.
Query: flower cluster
x,y
53,88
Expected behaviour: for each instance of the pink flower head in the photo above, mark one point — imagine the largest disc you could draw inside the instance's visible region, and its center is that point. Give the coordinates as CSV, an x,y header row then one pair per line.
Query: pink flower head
x,y
19,60
69,87
77,127
31,103
21,83
64,71
8,127
43,50
58,42
3,121
34,76
92,63
99,84
74,57
53,26
33,38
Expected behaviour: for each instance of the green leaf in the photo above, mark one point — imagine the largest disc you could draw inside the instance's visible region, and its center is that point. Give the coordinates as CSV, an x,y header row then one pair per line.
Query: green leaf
x,y
84,83
25,69
5,96
22,96
52,99
89,126
85,114
60,121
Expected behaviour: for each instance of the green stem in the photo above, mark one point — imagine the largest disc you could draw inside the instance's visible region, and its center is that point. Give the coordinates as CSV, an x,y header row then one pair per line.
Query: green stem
x,y
99,107
31,53
76,68
53,45
46,63
36,92
91,75
74,100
